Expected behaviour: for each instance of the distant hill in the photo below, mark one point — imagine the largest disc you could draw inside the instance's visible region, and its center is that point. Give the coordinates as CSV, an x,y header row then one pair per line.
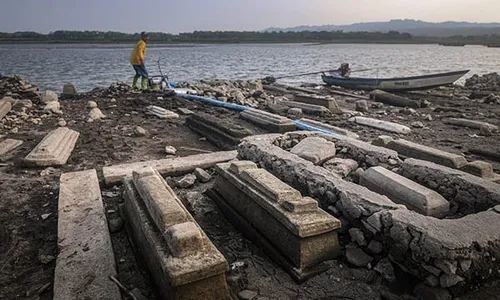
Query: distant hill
x,y
414,27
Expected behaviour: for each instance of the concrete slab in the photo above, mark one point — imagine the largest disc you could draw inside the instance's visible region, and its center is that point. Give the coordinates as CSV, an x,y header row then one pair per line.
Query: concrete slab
x,y
161,112
305,234
470,123
382,125
414,150
269,121
54,149
86,258
9,145
185,111
394,100
315,149
5,107
404,191
330,128
328,102
182,260
167,167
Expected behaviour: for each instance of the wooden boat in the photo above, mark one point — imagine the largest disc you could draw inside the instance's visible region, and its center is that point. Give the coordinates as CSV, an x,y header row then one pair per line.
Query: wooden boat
x,y
395,84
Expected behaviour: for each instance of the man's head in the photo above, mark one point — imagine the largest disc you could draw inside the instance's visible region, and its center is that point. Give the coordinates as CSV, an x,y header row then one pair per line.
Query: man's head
x,y
144,36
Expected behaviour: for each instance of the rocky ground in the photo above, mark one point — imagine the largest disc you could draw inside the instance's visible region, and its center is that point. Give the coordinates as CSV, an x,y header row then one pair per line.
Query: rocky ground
x,y
115,128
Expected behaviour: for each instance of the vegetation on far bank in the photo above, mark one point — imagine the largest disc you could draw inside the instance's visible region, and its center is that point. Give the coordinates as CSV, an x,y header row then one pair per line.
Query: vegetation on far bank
x,y
320,37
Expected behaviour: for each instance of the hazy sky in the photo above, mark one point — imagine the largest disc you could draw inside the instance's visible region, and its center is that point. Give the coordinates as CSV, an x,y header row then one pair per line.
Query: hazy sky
x,y
188,15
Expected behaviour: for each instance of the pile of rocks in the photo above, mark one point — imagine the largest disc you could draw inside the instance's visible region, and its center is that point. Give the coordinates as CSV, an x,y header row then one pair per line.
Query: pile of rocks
x,y
249,93
17,87
489,82
118,88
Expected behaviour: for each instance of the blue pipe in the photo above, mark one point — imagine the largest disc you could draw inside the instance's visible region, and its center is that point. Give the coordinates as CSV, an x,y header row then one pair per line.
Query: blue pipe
x,y
214,102
303,126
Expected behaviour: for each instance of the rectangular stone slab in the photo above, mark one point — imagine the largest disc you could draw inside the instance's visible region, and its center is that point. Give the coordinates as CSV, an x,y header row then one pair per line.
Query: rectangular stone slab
x,y
315,149
168,167
54,149
470,123
86,258
9,145
327,102
404,191
194,274
269,121
5,107
308,108
383,125
422,152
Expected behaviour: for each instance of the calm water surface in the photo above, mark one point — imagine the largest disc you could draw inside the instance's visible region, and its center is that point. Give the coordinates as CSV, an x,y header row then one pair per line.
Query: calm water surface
x,y
89,66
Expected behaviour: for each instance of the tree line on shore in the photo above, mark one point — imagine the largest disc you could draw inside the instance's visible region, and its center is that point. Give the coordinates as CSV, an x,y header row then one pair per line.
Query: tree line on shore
x,y
67,36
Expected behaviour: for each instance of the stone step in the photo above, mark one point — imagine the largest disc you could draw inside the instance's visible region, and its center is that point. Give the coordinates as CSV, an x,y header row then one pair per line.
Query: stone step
x,y
9,145
404,191
54,149
86,260
167,167
183,262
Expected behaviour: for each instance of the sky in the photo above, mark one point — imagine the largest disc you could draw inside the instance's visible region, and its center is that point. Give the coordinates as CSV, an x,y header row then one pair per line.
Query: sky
x,y
188,15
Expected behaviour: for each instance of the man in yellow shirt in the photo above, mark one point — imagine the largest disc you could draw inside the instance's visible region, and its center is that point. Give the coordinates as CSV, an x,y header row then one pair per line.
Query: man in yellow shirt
x,y
137,61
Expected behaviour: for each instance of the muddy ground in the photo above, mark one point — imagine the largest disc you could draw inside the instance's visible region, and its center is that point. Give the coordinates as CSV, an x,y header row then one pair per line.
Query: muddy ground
x,y
28,196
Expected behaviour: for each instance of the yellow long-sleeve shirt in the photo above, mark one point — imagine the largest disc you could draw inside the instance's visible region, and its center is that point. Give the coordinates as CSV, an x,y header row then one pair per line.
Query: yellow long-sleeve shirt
x,y
137,56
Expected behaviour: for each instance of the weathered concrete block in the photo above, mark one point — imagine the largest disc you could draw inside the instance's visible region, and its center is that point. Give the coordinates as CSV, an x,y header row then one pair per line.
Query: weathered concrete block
x,y
5,107
167,167
9,145
468,192
224,134
410,149
49,96
470,124
161,112
326,101
269,121
182,260
330,128
315,149
305,234
54,149
311,109
479,168
86,258
382,125
404,191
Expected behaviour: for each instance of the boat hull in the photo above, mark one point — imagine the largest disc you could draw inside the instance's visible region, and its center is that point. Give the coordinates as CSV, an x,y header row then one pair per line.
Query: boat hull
x,y
396,84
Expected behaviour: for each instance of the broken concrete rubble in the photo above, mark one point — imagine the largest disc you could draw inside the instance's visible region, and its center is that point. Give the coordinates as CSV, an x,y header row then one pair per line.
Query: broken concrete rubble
x,y
9,145
328,102
182,260
161,112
